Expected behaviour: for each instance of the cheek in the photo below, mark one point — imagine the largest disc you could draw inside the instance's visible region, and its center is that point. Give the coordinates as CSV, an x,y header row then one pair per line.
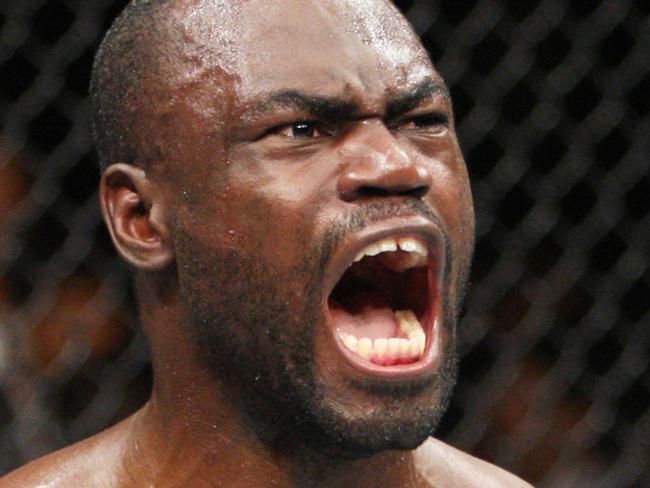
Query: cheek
x,y
461,202
275,208
451,195
273,229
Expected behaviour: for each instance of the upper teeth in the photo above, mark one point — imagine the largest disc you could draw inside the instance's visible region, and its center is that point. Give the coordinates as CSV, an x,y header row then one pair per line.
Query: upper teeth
x,y
390,244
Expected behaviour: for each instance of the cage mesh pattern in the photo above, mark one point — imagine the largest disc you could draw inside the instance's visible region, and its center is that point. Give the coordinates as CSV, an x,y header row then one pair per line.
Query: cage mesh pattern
x,y
552,101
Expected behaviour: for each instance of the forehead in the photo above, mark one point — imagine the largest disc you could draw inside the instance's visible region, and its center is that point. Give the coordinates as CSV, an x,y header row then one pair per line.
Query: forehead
x,y
362,46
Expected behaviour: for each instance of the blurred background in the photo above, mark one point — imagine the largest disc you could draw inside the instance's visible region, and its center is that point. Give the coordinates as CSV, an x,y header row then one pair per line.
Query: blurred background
x,y
553,110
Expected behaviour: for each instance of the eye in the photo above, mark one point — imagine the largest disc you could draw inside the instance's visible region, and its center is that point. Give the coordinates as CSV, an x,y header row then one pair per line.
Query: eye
x,y
303,129
436,122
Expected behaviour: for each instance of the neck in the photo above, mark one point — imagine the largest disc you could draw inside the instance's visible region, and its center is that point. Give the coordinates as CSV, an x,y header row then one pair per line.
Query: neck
x,y
206,454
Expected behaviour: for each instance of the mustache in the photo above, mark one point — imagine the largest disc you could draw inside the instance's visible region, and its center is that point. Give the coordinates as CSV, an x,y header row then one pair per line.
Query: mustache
x,y
373,212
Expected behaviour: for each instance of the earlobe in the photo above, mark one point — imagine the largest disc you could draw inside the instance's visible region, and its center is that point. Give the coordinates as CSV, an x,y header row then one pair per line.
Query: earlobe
x,y
134,215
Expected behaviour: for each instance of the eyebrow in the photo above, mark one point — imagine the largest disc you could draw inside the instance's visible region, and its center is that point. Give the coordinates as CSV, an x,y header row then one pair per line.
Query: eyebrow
x,y
342,108
404,102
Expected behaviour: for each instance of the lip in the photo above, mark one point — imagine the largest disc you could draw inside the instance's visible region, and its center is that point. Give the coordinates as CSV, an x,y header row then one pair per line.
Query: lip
x,y
429,234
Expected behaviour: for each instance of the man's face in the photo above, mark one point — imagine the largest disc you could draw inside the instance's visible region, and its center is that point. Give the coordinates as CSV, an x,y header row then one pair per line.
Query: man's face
x,y
316,187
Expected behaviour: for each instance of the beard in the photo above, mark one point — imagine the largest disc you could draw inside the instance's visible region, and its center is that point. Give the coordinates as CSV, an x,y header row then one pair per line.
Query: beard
x,y
255,325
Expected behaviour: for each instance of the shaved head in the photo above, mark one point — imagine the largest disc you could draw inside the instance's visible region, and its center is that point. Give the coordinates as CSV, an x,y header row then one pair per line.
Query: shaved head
x,y
126,66
155,46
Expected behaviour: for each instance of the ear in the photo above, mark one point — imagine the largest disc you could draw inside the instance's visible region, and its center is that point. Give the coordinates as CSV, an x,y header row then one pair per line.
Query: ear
x,y
134,214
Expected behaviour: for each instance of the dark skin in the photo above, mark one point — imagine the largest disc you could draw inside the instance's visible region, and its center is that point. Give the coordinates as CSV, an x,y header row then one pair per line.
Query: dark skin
x,y
264,150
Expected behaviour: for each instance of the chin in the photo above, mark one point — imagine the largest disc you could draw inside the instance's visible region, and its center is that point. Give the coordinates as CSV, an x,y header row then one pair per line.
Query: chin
x,y
383,417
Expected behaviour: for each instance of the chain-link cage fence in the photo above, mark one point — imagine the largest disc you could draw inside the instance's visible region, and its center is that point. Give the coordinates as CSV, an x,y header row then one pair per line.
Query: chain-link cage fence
x,y
552,103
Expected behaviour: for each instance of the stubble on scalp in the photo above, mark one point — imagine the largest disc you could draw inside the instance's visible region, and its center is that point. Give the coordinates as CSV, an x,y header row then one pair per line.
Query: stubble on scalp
x,y
154,50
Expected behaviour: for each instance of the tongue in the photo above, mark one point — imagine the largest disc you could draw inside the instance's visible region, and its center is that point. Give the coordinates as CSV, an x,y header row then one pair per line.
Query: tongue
x,y
366,319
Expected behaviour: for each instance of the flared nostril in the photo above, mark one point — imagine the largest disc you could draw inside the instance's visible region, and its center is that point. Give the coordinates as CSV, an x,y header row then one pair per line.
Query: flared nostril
x,y
376,165
408,180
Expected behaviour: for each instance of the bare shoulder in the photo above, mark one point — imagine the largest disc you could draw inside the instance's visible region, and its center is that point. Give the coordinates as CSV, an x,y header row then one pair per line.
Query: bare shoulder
x,y
444,466
90,463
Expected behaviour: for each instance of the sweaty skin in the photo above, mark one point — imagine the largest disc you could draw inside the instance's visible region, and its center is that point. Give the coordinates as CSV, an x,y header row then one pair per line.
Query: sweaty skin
x,y
288,134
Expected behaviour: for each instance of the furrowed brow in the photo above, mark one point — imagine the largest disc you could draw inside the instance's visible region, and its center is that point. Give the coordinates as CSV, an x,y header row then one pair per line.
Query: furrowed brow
x,y
340,108
404,102
326,108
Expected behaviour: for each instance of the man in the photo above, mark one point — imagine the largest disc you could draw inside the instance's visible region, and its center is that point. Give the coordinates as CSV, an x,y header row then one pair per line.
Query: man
x,y
285,180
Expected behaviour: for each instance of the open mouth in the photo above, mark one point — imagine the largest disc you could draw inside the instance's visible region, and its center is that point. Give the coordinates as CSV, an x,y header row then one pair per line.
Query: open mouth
x,y
384,307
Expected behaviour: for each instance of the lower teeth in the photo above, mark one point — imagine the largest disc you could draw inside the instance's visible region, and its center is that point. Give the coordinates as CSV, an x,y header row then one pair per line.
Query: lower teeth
x,y
406,347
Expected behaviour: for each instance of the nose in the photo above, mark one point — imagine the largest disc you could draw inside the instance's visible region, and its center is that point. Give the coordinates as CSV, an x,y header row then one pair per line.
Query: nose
x,y
376,166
